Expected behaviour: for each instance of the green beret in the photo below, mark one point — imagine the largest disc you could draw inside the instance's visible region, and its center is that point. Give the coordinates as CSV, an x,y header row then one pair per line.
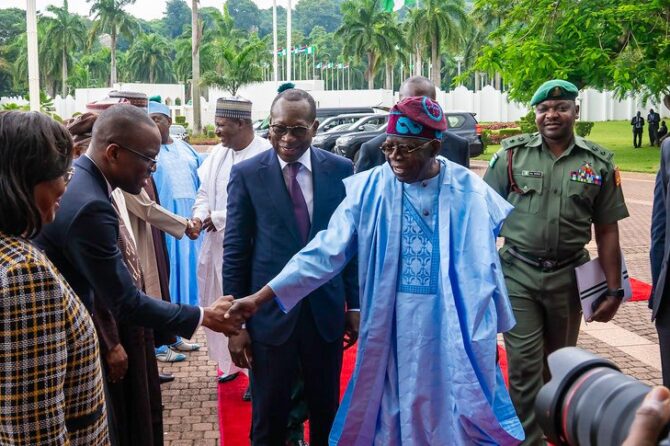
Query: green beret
x,y
555,89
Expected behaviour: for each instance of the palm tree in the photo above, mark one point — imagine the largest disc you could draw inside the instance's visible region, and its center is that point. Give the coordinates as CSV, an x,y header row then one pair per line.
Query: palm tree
x,y
110,18
437,22
65,32
368,32
237,65
149,59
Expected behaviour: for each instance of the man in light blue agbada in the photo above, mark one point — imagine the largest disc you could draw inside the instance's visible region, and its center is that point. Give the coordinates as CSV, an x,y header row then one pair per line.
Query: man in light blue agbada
x,y
432,294
177,183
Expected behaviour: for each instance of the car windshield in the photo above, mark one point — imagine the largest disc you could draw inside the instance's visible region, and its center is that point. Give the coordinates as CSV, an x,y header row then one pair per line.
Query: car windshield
x,y
338,127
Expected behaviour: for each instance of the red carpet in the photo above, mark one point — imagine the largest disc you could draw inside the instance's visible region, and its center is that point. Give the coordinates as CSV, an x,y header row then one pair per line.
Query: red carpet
x,y
235,414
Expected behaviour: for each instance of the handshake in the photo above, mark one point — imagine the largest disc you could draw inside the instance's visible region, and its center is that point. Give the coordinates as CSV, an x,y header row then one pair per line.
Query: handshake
x,y
227,315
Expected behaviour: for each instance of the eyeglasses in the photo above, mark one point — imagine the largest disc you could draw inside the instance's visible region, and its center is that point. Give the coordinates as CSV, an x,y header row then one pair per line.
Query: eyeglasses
x,y
403,149
152,161
67,176
298,131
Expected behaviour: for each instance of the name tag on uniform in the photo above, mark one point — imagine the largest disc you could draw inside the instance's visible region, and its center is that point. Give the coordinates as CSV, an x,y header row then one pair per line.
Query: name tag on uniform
x,y
532,173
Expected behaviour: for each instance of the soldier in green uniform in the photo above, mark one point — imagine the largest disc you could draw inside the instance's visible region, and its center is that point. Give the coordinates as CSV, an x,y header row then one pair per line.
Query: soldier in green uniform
x,y
559,184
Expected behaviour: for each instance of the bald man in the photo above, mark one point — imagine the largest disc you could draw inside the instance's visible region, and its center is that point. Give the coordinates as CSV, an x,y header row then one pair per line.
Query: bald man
x,y
82,240
455,148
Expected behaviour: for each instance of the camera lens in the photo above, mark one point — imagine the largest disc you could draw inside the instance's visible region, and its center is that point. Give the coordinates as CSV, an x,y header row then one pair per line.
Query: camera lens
x,y
588,400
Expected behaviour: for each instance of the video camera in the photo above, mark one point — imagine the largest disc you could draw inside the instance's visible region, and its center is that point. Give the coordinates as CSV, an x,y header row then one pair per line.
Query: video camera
x,y
588,401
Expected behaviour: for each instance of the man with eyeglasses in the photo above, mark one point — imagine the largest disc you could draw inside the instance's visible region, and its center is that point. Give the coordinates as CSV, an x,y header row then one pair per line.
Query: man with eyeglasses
x,y
277,202
83,239
432,294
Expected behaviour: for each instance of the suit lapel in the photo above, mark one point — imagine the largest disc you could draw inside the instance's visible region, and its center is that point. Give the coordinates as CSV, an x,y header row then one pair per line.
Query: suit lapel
x,y
271,176
322,192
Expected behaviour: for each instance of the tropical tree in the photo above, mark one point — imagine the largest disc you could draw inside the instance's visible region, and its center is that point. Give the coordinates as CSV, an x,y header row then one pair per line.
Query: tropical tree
x,y
435,23
149,59
368,32
237,65
64,33
614,44
111,18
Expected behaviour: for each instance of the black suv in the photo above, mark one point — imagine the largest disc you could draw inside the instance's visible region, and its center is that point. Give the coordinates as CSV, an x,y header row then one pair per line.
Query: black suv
x,y
326,140
465,125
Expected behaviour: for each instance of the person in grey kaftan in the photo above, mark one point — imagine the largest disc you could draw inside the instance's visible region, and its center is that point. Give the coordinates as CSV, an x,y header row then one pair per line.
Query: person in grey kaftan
x,y
432,295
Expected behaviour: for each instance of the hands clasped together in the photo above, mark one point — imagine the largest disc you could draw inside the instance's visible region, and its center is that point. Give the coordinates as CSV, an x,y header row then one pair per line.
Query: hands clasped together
x,y
227,315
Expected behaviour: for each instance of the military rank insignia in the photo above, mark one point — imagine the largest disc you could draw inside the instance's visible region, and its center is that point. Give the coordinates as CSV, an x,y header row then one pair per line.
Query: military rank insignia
x,y
586,174
617,177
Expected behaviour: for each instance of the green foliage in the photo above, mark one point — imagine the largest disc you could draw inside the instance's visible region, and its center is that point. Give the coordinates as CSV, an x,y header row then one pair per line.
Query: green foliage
x,y
509,132
583,128
311,13
236,65
369,33
527,123
176,17
177,101
615,44
149,59
245,14
181,120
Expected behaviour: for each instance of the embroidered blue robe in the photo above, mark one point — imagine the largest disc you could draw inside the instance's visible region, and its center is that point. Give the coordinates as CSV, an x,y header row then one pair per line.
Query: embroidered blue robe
x,y
177,183
473,406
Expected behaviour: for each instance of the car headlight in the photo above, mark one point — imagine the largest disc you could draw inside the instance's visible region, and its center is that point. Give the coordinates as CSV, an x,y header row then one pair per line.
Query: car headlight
x,y
343,140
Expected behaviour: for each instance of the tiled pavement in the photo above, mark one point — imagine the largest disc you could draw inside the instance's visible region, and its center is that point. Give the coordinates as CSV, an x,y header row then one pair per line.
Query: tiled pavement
x,y
190,415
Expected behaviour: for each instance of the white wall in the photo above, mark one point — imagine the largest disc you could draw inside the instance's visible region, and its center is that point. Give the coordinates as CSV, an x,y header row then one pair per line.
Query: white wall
x,y
489,104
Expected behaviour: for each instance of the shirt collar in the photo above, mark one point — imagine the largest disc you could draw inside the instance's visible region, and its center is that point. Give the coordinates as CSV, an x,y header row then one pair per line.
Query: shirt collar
x,y
109,186
305,160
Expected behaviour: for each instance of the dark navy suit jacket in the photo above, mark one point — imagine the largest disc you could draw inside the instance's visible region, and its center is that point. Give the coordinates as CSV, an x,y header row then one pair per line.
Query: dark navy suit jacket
x,y
262,235
454,148
82,243
660,231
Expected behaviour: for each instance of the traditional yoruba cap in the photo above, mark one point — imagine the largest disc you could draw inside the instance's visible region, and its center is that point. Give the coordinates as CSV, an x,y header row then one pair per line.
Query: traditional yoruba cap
x,y
81,127
157,107
100,106
417,117
554,89
234,107
135,98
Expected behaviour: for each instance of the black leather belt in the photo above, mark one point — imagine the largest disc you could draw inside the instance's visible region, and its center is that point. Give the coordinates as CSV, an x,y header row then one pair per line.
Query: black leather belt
x,y
543,263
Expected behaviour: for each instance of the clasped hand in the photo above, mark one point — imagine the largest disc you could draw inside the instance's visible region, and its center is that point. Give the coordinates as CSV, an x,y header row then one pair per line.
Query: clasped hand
x,y
227,315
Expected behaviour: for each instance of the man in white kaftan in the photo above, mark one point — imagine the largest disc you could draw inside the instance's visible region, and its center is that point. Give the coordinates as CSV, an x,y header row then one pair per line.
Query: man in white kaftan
x,y
238,143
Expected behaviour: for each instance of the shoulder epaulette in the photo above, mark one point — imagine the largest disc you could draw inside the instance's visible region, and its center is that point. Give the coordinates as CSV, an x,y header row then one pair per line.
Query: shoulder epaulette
x,y
599,151
515,141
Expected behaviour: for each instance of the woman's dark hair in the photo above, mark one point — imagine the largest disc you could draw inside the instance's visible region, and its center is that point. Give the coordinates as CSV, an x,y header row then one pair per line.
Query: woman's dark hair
x,y
33,148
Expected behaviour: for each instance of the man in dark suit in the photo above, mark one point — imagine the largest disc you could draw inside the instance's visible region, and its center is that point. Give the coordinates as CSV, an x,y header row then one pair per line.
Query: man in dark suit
x,y
82,240
454,148
659,301
277,201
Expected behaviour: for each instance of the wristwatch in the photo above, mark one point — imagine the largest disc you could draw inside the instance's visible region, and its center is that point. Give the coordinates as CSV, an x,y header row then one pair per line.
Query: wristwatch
x,y
615,292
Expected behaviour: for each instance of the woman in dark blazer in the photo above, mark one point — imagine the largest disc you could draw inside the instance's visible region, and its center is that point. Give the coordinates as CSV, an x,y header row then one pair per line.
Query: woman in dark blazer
x,y
50,378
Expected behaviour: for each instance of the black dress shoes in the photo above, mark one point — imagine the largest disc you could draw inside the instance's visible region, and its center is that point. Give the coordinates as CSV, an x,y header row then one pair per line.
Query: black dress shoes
x,y
247,395
165,377
226,378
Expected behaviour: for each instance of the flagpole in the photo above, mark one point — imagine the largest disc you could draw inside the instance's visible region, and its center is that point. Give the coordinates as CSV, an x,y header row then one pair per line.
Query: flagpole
x,y
275,56
289,48
33,63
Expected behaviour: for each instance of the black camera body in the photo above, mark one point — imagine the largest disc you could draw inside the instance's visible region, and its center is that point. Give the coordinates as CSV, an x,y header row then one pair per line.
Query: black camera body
x,y
588,401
